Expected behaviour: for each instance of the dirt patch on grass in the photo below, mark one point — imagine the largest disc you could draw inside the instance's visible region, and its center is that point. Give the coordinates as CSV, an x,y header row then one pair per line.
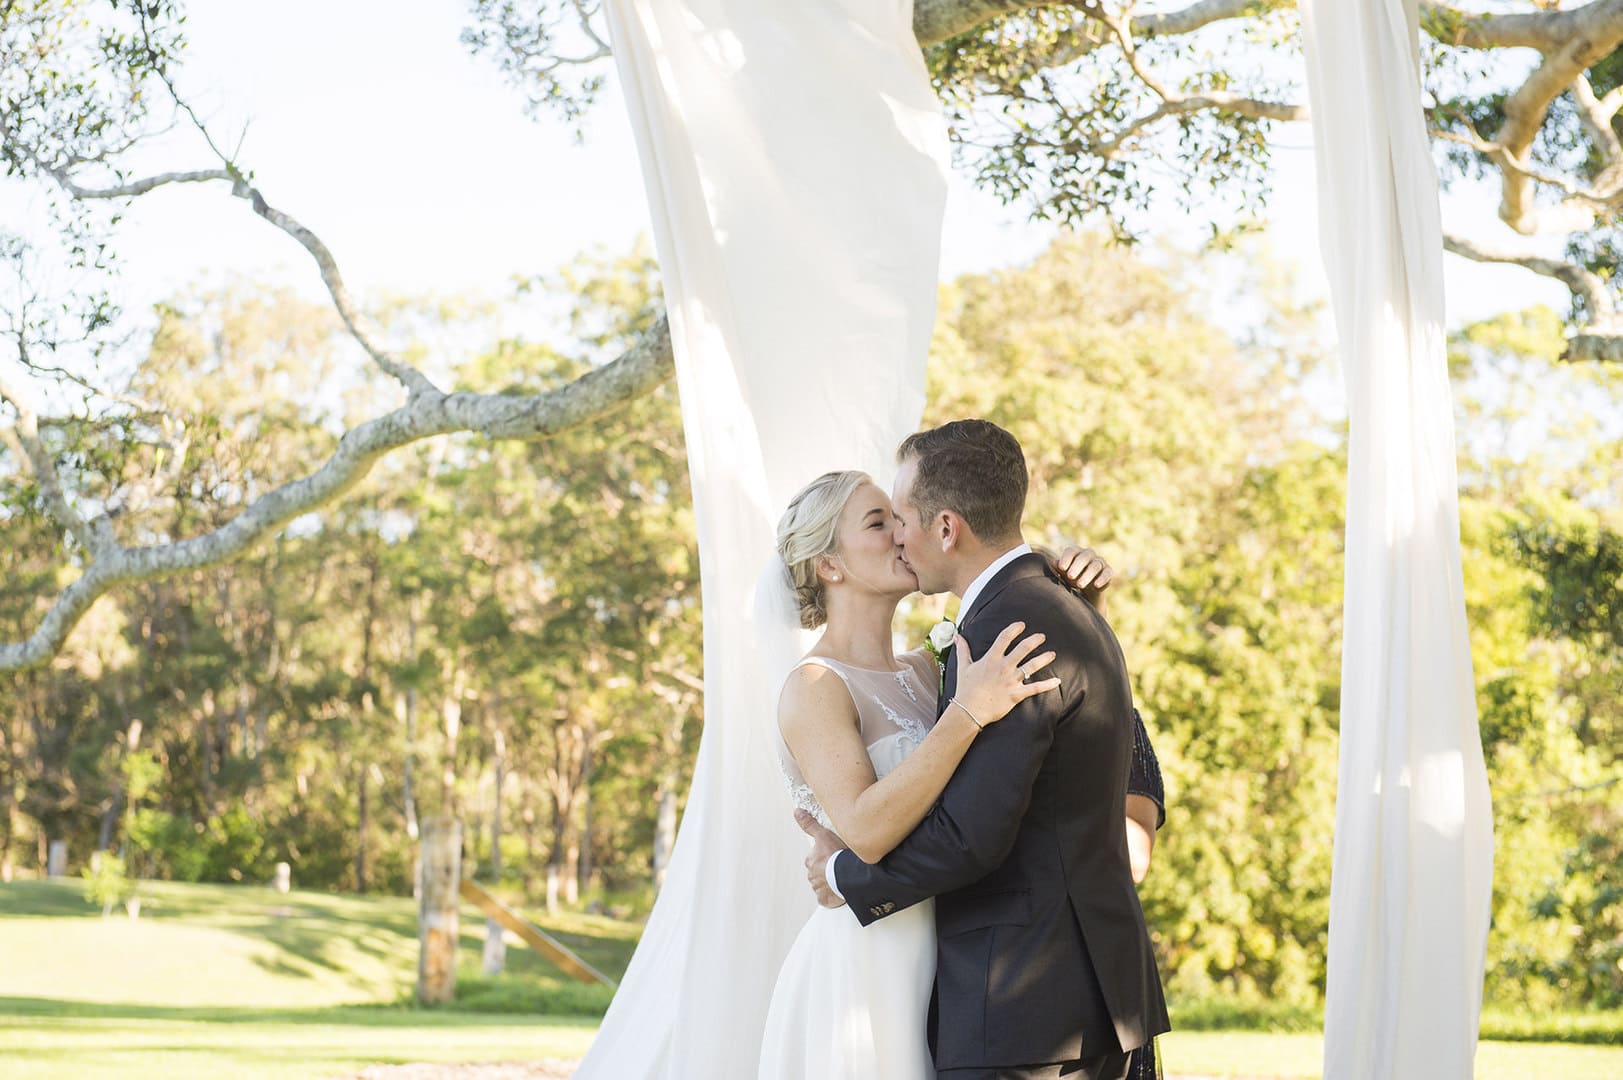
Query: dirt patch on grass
x,y
547,1069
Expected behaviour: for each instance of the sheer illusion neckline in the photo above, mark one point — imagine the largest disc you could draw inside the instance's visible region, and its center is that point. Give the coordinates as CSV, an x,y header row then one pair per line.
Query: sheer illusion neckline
x,y
903,670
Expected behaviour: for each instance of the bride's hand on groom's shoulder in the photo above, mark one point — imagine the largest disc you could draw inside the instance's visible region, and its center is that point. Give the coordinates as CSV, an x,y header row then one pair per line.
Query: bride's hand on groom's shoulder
x,y
1084,568
988,688
1086,571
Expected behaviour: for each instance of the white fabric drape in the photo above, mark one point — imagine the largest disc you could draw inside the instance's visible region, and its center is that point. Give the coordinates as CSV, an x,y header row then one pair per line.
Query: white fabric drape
x,y
1413,864
795,160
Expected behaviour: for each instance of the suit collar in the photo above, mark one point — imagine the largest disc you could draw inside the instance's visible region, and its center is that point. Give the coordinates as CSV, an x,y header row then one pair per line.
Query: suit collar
x,y
1024,565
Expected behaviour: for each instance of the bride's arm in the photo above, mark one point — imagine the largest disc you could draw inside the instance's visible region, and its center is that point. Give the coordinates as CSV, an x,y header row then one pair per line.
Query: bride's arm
x,y
819,723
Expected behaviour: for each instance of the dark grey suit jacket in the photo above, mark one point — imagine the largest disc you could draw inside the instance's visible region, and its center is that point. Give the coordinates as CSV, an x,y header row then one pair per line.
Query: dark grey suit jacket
x,y
1042,951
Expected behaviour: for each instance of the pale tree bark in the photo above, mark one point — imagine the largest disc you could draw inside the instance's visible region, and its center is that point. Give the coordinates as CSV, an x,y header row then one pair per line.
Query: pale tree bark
x,y
438,922
456,685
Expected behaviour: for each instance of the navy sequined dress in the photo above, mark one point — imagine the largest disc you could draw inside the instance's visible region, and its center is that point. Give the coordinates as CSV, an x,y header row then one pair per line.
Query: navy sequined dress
x,y
1144,778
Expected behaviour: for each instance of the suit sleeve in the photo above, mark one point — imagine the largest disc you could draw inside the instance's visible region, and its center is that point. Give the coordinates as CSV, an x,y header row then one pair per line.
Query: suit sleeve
x,y
973,827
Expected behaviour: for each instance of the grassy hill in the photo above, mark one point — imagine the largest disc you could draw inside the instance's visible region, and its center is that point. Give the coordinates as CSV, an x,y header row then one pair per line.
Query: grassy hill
x,y
216,981
220,945
237,981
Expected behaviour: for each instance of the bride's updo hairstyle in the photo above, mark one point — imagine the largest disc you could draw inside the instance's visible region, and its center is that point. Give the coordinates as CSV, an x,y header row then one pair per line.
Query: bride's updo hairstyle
x,y
807,531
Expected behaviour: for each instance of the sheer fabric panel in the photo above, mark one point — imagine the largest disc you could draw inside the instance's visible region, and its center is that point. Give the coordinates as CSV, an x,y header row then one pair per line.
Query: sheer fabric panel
x,y
1412,877
795,160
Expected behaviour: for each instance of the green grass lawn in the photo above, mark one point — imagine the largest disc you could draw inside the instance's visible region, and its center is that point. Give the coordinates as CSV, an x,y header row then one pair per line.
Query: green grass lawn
x,y
237,981
46,1039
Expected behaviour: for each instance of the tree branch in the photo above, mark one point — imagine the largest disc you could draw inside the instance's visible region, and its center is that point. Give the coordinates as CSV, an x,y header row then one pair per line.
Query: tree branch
x,y
1546,31
1602,339
638,371
95,541
1595,114
360,327
1526,109
134,187
1173,103
934,21
1583,282
1582,202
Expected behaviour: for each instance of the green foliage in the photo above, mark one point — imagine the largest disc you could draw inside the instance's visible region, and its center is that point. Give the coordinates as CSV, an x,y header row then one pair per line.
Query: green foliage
x,y
107,882
1048,109
532,611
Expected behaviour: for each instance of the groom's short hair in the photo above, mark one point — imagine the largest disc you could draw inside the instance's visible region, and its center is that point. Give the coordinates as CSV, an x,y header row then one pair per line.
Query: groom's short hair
x,y
973,468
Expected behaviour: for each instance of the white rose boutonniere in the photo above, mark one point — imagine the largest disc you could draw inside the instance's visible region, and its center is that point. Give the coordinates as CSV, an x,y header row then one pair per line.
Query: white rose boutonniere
x,y
938,642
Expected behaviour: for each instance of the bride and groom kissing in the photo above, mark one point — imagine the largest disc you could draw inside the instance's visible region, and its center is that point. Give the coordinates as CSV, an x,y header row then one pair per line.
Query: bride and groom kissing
x,y
978,915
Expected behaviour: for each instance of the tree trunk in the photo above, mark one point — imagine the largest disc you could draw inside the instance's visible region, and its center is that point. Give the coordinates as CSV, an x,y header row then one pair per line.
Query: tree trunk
x,y
132,743
8,800
109,817
582,854
495,958
56,859
362,826
406,708
451,716
670,778
496,803
555,859
564,780
438,928
529,816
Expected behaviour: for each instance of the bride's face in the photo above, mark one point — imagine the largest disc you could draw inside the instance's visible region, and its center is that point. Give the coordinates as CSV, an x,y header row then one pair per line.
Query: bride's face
x,y
866,556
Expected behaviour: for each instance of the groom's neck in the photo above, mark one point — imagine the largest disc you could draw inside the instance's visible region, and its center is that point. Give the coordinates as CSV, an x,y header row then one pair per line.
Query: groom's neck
x,y
976,562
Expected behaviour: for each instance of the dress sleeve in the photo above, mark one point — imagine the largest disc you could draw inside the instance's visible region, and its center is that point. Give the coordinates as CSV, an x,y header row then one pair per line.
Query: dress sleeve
x,y
1144,777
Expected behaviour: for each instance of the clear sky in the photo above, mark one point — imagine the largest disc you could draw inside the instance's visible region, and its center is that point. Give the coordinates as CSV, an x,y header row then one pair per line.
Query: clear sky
x,y
370,121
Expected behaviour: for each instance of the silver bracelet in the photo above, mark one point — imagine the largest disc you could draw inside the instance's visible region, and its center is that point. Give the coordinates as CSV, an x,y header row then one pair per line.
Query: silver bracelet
x,y
978,725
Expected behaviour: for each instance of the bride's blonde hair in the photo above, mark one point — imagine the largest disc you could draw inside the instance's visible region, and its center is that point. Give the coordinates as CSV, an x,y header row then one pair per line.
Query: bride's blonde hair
x,y
807,531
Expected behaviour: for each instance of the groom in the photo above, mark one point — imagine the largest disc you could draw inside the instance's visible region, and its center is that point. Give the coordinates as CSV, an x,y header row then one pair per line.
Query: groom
x,y
1043,965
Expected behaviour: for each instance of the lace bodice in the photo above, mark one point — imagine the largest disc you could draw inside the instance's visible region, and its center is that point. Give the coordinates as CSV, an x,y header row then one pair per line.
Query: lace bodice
x,y
895,709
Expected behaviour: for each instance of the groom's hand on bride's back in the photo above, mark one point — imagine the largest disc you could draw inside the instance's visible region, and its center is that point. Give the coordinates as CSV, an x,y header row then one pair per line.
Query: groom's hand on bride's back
x,y
824,846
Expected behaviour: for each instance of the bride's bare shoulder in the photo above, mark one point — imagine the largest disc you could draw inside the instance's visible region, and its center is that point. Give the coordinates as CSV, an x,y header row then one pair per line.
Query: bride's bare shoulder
x,y
814,694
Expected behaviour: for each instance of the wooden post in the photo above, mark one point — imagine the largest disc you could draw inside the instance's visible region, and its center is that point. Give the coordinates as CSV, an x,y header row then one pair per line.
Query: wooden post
x,y
495,948
438,928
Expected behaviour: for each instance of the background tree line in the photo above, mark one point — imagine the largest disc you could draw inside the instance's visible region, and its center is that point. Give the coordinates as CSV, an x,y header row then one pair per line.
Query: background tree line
x,y
509,632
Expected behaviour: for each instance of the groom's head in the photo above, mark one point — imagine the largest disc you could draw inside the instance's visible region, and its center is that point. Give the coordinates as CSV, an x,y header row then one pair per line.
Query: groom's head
x,y
960,493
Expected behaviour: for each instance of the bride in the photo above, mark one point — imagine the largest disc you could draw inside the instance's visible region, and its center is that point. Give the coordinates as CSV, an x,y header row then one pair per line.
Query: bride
x,y
864,753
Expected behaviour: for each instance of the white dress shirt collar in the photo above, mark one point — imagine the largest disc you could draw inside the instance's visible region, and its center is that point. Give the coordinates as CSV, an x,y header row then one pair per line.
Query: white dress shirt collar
x,y
987,575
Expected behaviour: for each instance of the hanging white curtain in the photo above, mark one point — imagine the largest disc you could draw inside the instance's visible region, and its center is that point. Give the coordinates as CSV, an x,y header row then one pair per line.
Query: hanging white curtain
x,y
795,160
1412,876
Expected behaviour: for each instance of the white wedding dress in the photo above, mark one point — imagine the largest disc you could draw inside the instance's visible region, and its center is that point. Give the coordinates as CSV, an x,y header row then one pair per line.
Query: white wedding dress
x,y
851,1002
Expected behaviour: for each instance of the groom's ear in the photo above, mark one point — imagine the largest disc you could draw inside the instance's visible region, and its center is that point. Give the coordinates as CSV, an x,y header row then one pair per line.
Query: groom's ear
x,y
949,529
